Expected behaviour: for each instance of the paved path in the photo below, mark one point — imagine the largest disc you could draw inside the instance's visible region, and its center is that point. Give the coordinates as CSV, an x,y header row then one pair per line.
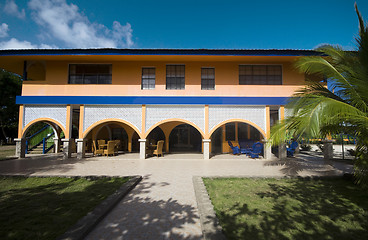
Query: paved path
x,y
163,205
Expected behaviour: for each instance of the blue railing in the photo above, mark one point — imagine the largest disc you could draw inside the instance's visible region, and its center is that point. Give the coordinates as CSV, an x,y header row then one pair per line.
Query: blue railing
x,y
38,138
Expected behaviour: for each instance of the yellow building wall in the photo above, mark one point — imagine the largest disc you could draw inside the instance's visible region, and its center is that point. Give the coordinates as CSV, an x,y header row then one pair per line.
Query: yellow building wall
x,y
126,79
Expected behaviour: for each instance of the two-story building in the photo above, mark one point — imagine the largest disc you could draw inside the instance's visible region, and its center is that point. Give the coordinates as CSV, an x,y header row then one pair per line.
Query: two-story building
x,y
195,100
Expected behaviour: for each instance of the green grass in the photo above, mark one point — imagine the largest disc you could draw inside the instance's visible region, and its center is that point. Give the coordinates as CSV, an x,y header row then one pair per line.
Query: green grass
x,y
6,151
289,208
44,208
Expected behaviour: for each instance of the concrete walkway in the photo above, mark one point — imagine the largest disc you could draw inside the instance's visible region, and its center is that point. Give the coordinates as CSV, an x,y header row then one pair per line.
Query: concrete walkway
x,y
163,205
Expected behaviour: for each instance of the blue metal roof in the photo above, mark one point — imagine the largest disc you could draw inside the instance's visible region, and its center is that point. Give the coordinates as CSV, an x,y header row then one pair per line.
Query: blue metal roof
x,y
114,51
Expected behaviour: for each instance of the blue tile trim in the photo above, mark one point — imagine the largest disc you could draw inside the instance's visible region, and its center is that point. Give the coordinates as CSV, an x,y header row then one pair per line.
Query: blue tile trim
x,y
150,100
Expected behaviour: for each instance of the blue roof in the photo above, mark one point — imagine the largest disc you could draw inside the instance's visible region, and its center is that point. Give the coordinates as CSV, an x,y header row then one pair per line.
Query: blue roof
x,y
114,51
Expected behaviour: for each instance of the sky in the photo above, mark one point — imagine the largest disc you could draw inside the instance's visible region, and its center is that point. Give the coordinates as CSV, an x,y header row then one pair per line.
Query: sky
x,y
230,24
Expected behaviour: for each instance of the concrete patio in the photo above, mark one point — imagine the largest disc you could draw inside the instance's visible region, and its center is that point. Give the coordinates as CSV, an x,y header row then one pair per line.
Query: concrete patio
x,y
163,205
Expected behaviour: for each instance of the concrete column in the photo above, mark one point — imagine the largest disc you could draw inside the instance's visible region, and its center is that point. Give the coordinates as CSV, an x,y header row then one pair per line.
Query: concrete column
x,y
67,148
56,145
81,148
267,150
206,148
20,147
327,149
282,151
142,148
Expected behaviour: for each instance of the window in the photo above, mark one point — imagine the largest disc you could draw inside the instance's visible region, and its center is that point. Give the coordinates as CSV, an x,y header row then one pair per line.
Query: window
x,y
148,78
208,79
260,75
175,77
90,73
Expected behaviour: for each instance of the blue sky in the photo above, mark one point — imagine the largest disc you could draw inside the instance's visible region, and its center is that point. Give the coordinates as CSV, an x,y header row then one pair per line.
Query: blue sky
x,y
179,24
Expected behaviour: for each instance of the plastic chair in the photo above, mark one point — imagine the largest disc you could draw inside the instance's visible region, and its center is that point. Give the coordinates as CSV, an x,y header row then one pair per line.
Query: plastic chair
x,y
244,146
256,150
235,149
291,150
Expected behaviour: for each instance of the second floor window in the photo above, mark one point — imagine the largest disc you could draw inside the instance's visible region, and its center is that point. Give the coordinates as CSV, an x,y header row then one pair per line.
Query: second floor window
x,y
148,78
260,75
208,79
90,74
175,77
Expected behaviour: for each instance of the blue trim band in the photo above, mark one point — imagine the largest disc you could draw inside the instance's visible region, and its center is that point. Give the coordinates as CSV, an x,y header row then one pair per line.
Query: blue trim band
x,y
151,100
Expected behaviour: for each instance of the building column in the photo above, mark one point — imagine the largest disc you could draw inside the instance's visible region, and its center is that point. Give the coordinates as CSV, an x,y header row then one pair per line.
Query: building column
x,y
327,149
206,148
67,141
282,146
81,148
20,147
267,150
56,145
282,151
142,148
67,147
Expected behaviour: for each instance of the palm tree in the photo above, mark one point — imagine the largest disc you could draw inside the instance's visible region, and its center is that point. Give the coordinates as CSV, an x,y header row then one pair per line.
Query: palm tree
x,y
317,111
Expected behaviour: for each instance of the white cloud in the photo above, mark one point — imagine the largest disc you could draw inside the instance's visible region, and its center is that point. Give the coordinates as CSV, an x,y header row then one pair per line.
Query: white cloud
x,y
11,8
16,44
64,22
4,30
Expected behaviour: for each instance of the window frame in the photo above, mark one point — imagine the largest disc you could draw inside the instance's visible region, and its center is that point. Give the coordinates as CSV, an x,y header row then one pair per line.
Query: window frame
x,y
154,79
267,80
99,74
176,78
208,79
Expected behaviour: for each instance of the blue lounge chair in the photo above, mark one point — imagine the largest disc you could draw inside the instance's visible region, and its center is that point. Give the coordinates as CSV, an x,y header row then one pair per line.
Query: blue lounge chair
x,y
291,150
256,150
244,146
236,149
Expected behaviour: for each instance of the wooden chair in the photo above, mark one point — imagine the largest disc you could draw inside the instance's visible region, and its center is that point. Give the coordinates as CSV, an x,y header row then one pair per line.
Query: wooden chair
x,y
117,145
158,151
110,148
95,150
100,142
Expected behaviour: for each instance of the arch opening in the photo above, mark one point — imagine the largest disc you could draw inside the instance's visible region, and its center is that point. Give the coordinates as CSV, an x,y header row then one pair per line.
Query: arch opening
x,y
184,138
113,130
239,133
43,137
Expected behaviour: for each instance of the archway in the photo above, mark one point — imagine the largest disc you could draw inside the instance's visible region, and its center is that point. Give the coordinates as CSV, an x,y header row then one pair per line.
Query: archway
x,y
167,126
240,133
43,136
185,138
113,130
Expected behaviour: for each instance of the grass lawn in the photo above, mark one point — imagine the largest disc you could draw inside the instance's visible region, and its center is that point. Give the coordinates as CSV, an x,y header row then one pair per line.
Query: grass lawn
x,y
44,208
289,208
6,151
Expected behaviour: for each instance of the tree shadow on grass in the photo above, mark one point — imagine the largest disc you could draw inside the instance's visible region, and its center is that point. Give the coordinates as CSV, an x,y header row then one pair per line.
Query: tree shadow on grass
x,y
142,216
45,209
302,209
